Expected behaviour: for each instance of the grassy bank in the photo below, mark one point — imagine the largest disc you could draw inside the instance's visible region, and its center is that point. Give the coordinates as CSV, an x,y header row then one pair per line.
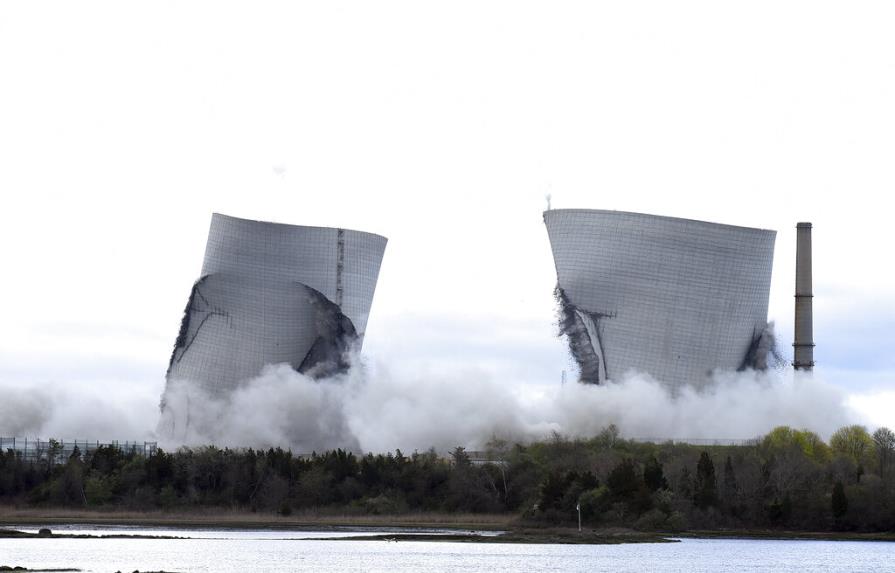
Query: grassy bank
x,y
516,531
251,520
554,535
544,535
511,533
785,535
613,536
16,534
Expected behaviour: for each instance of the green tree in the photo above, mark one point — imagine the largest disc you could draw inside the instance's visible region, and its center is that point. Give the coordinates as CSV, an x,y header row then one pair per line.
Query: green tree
x,y
729,487
623,480
779,437
98,489
705,491
553,490
69,487
814,447
783,438
54,450
609,436
852,441
594,502
653,475
460,457
685,483
884,441
779,511
167,497
626,486
839,503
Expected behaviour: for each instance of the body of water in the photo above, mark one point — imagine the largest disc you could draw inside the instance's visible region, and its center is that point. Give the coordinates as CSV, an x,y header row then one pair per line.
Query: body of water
x,y
262,551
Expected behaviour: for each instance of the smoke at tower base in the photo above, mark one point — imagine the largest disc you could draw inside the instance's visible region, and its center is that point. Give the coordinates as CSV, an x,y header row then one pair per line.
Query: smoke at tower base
x,y
380,409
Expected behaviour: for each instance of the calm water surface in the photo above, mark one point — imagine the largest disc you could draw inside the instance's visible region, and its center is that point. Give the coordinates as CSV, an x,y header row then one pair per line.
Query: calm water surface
x,y
229,551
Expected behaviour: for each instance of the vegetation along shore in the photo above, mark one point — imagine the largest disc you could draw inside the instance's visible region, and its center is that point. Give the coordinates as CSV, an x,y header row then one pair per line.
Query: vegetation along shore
x,y
789,483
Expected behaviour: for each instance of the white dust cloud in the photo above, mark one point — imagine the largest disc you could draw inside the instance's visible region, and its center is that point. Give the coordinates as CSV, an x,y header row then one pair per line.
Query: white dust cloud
x,y
380,410
102,411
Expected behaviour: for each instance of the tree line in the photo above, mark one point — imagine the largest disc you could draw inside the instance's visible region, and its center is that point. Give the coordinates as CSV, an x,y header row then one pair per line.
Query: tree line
x,y
788,479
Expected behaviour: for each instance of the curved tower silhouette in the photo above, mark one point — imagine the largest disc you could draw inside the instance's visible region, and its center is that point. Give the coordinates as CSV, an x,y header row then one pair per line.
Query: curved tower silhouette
x,y
674,298
271,293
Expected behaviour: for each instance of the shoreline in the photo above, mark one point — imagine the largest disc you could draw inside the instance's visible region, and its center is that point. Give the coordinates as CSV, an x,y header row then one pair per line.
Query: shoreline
x,y
555,536
249,520
787,535
455,526
6,533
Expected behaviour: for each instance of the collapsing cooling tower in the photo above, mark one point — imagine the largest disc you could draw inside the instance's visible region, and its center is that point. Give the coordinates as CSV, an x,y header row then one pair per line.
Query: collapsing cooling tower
x,y
270,294
674,298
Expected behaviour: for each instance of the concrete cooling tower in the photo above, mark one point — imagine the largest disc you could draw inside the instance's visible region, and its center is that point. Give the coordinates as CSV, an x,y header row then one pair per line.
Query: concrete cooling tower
x,y
674,298
272,293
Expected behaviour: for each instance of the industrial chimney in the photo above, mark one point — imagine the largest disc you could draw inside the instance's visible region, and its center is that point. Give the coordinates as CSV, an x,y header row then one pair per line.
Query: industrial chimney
x,y
803,358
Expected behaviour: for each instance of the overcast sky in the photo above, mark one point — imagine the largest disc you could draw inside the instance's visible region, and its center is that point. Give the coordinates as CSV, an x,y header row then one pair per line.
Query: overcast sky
x,y
442,126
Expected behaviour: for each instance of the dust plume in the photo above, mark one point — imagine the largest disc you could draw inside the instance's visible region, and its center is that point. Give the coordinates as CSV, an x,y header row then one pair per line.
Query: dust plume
x,y
100,411
24,412
380,409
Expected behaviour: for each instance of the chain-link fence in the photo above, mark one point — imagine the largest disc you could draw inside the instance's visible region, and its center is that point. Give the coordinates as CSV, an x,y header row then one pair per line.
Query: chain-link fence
x,y
35,449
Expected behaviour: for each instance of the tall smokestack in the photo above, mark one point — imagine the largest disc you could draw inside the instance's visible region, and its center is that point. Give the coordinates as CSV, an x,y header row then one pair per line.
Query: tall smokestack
x,y
803,358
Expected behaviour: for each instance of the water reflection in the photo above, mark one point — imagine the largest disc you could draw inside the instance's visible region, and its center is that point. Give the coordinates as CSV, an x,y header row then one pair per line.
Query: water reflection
x,y
234,550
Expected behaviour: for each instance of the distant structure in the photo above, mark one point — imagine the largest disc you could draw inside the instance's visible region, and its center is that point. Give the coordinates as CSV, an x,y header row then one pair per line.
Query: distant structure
x,y
272,293
59,451
803,345
674,298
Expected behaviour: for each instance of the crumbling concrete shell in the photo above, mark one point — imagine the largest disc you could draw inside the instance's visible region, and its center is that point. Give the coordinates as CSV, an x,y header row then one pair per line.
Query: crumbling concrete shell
x,y
341,264
271,293
674,298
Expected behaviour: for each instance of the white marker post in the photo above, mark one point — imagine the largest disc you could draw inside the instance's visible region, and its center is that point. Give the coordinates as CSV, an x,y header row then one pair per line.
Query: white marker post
x,y
578,509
